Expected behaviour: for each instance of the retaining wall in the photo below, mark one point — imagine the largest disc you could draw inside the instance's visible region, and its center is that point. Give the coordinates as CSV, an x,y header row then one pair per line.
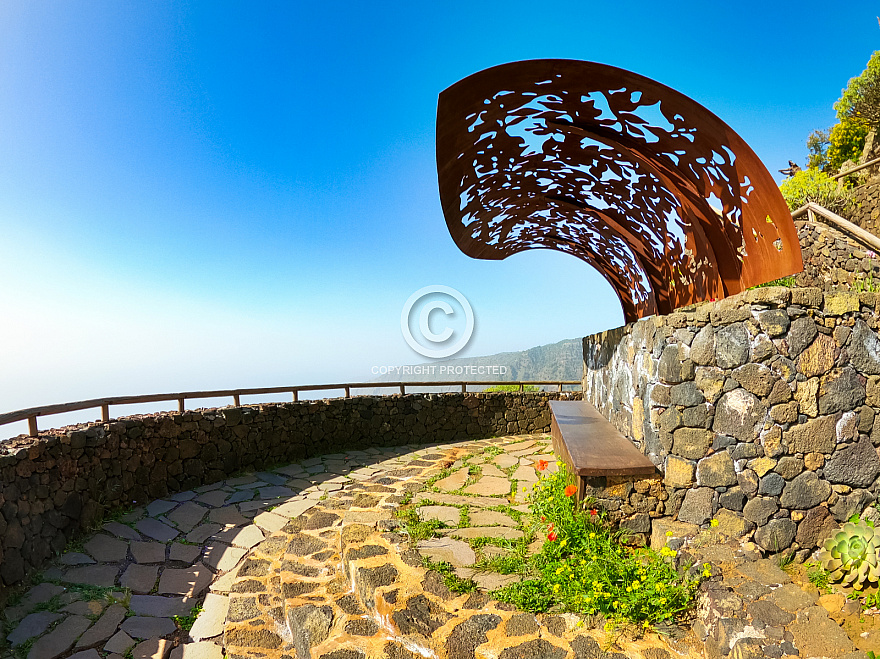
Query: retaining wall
x,y
759,409
65,480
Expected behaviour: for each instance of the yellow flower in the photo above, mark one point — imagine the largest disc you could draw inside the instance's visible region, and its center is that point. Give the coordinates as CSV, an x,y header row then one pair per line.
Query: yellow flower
x,y
562,542
714,522
592,535
556,588
559,570
636,585
669,534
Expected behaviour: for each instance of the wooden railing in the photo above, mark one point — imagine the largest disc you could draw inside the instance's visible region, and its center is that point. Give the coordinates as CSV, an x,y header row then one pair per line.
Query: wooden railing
x,y
32,413
856,169
857,232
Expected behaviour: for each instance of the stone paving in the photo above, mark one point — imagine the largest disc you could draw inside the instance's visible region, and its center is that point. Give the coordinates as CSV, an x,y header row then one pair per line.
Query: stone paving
x,y
309,560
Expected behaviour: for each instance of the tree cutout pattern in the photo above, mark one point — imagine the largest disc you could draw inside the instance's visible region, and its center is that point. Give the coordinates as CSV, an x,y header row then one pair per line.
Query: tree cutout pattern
x,y
636,179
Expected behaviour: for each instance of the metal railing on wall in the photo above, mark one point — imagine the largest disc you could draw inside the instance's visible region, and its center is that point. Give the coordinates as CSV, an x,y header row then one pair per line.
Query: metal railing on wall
x,y
32,413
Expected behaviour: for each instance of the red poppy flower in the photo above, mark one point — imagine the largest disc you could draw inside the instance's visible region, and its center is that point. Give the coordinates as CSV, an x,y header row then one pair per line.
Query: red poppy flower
x,y
570,490
542,465
552,536
550,528
543,518
594,512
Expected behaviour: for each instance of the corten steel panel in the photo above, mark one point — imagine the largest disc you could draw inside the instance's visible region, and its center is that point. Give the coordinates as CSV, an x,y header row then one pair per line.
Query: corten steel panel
x,y
636,179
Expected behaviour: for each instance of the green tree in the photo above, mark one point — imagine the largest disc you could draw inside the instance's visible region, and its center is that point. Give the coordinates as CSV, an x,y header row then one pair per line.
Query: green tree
x,y
817,145
860,101
846,141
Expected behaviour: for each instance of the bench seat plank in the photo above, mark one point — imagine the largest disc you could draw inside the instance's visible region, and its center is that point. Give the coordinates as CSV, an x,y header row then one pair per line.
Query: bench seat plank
x,y
591,446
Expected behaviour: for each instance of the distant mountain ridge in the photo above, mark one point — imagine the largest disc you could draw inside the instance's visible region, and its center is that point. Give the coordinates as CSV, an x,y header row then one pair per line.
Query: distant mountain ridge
x,y
554,361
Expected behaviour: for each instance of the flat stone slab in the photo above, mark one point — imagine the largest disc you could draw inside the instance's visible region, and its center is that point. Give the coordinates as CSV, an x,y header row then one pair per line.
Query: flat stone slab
x,y
504,532
103,576
91,653
294,508
489,486
105,549
60,639
189,581
492,470
505,461
222,557
214,499
228,516
187,516
276,492
241,495
490,518
246,537
458,499
139,578
76,558
160,507
31,626
271,522
120,643
148,627
160,607
211,619
455,552
200,650
92,608
121,531
154,648
524,473
184,553
104,628
155,529
446,514
454,481
203,532
148,552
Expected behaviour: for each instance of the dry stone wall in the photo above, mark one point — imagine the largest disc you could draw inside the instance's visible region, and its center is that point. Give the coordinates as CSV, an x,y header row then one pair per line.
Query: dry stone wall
x,y
833,260
867,201
759,410
65,480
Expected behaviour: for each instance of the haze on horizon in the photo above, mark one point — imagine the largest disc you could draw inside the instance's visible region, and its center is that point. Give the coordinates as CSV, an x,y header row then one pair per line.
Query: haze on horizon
x,y
207,195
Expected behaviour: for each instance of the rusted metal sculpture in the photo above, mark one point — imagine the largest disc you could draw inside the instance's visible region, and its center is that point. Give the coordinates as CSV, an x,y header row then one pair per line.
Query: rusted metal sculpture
x,y
640,181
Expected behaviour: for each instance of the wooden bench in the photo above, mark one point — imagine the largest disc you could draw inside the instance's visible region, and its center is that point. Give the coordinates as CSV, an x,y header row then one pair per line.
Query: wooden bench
x,y
591,447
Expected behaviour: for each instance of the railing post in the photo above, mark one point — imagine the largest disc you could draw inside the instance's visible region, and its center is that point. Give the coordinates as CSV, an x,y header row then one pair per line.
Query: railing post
x,y
348,392
181,408
295,395
560,388
402,389
522,387
32,426
105,413
236,399
464,387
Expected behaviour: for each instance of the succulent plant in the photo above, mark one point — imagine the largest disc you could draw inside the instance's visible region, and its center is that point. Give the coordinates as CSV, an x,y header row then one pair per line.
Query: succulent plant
x,y
852,555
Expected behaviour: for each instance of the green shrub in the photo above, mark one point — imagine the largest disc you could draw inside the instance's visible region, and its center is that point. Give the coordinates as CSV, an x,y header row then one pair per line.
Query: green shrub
x,y
816,186
497,388
860,101
846,141
584,568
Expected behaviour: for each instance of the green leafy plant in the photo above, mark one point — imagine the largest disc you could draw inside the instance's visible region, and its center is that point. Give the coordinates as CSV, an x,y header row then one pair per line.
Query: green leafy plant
x,y
788,282
860,101
509,388
452,581
852,555
818,576
584,567
846,141
186,622
866,284
812,185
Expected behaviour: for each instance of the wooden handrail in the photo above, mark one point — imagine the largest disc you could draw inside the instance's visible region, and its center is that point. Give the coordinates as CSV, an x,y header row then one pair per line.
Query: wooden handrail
x,y
856,169
845,225
31,413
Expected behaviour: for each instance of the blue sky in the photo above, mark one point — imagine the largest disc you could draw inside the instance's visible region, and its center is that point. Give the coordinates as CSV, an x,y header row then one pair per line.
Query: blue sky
x,y
228,194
